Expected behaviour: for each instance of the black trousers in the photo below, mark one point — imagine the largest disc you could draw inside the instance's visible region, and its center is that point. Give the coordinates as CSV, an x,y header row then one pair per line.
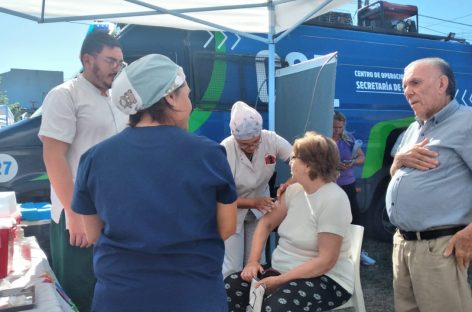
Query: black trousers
x,y
308,294
350,190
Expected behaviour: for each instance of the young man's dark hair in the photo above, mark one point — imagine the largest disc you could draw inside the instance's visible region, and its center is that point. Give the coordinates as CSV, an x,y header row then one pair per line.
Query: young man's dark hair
x,y
95,41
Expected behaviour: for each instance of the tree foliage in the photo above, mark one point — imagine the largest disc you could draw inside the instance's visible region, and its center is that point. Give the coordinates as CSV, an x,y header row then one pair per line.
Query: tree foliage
x,y
3,97
15,108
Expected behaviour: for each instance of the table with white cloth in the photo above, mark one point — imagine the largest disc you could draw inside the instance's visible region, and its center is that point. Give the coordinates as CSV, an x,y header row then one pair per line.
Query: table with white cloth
x,y
49,296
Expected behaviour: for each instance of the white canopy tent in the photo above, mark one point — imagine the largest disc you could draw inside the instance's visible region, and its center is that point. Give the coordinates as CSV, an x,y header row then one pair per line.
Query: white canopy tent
x,y
267,21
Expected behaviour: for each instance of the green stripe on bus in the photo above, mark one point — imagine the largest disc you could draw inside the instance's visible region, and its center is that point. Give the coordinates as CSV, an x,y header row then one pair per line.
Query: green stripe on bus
x,y
41,177
214,89
377,143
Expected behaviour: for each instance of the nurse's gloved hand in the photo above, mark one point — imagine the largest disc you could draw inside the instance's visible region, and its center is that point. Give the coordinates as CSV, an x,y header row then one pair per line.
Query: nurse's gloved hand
x,y
264,204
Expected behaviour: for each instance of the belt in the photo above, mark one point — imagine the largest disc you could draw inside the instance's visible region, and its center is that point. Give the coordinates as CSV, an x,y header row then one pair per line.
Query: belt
x,y
431,234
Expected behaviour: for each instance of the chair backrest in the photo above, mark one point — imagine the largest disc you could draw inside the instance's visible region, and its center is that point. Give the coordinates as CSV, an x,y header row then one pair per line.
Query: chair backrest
x,y
357,299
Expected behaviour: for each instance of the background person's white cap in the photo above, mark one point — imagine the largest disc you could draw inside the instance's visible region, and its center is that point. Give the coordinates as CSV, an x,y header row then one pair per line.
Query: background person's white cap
x,y
246,122
144,82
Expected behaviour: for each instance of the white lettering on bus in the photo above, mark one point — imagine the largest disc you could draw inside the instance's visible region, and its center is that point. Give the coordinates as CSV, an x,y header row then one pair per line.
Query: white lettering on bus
x,y
378,86
363,73
293,58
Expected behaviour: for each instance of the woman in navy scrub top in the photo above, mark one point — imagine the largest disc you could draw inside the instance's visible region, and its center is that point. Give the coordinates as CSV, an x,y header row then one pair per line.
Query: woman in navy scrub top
x,y
157,201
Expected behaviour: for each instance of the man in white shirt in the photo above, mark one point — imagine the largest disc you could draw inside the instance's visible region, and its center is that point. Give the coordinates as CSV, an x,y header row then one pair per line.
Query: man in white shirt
x,y
77,115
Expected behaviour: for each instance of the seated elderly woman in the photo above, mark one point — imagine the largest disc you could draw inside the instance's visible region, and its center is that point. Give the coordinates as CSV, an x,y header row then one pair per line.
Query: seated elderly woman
x,y
311,269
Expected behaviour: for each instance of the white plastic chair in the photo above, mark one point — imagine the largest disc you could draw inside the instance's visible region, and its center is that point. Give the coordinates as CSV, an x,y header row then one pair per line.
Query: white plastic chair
x,y
357,299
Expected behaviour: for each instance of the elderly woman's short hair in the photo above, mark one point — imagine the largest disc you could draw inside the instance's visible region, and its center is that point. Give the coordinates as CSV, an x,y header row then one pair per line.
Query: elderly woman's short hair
x,y
320,153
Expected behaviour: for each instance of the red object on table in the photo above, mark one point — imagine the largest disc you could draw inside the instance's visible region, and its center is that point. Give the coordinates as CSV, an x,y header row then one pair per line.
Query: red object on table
x,y
7,237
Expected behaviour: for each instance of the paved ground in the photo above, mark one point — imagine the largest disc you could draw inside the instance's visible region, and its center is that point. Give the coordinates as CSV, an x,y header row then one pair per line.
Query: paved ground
x,y
377,279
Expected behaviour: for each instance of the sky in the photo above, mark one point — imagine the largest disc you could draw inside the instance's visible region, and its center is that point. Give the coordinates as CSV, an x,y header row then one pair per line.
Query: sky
x,y
26,44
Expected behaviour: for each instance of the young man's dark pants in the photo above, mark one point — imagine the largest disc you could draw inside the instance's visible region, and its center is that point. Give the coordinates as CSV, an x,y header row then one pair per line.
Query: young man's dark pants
x,y
72,266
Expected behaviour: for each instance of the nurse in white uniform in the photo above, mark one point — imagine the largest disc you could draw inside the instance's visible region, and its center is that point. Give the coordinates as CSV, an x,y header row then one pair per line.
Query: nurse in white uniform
x,y
252,153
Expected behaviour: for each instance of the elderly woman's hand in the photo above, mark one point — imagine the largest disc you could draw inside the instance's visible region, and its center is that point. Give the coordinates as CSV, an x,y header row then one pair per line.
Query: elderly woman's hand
x,y
271,283
250,270
264,204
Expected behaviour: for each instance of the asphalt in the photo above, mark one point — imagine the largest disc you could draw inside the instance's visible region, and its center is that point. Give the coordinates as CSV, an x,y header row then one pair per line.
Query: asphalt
x,y
377,279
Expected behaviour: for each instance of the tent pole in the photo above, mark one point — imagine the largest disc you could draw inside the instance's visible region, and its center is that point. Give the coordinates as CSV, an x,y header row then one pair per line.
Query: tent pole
x,y
271,66
271,79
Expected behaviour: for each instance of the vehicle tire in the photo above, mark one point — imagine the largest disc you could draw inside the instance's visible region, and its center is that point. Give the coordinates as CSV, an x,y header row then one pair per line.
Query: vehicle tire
x,y
377,222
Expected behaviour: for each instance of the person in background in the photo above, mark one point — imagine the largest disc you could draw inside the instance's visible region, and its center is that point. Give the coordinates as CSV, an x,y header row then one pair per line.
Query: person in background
x,y
347,180
156,200
311,268
429,197
252,154
75,116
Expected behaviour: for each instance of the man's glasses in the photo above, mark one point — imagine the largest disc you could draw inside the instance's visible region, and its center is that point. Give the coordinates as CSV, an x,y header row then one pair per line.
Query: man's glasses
x,y
113,63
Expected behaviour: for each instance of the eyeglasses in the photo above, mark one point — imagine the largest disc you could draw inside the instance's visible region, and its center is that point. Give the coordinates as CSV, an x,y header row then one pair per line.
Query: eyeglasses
x,y
113,62
250,144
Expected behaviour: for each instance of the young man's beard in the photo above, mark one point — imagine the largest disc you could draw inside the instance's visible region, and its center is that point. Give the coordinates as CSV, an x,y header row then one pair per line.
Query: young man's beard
x,y
100,82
